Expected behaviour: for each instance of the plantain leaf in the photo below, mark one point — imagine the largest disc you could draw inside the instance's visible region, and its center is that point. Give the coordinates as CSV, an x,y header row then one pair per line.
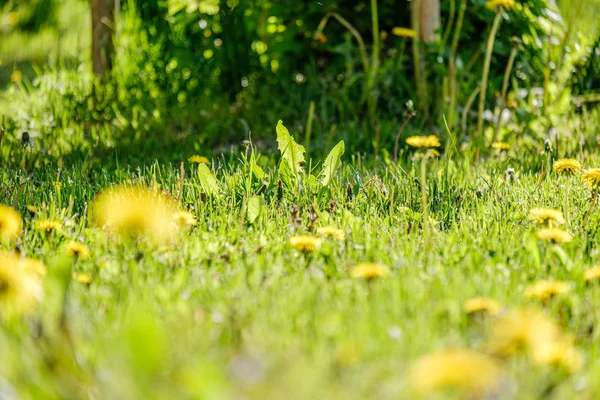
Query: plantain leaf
x,y
332,163
292,152
207,180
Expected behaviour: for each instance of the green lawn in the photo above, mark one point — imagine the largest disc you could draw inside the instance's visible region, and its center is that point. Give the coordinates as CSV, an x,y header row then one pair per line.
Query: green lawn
x,y
229,309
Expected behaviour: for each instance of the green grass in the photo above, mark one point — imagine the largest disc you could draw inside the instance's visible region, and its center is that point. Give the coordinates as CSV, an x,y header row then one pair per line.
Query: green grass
x,y
230,310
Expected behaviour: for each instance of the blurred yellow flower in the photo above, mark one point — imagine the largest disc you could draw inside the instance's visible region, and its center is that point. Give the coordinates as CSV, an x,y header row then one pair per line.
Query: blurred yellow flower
x,y
482,305
566,166
545,289
199,159
12,18
348,354
369,271
332,231
20,289
32,266
543,215
10,223
501,146
592,274
591,177
554,235
82,278
16,76
404,32
184,218
521,330
506,4
77,250
464,370
48,225
319,37
134,211
423,141
560,353
305,243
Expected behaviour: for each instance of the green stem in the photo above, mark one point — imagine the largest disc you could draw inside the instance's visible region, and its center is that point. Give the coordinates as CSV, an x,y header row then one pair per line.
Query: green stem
x,y
416,49
565,41
361,44
375,54
452,64
486,70
424,205
451,15
566,203
311,112
592,205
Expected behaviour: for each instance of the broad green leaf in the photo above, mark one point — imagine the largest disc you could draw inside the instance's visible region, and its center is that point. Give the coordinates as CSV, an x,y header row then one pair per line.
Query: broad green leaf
x,y
292,152
258,171
207,180
253,209
332,162
286,176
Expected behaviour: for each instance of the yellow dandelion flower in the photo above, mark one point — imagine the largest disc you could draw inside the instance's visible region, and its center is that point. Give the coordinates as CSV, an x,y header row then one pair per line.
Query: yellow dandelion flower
x,y
560,353
592,274
135,211
77,250
82,278
404,32
16,76
369,271
521,330
199,159
33,209
591,177
348,354
543,215
20,290
501,146
305,243
32,266
495,4
332,231
10,223
554,235
566,166
423,141
319,37
464,370
48,225
184,218
479,305
545,289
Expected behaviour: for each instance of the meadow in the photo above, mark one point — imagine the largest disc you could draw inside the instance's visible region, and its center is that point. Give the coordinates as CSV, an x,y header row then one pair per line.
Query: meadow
x,y
153,248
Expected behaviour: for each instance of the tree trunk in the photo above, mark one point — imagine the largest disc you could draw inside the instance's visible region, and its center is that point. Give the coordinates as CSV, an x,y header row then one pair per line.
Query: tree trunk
x,y
103,18
430,20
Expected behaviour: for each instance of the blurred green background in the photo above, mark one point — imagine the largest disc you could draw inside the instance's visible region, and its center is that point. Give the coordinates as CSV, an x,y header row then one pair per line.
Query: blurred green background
x,y
208,73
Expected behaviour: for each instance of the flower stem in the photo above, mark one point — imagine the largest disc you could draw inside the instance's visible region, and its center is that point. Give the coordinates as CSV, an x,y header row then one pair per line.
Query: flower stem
x,y
486,70
566,204
424,205
592,205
